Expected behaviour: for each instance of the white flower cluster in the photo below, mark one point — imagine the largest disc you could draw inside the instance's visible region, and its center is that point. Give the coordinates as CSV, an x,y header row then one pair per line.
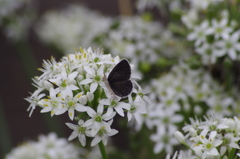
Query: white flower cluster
x,y
15,20
76,83
70,27
215,137
183,90
143,41
212,38
46,147
160,4
193,88
182,155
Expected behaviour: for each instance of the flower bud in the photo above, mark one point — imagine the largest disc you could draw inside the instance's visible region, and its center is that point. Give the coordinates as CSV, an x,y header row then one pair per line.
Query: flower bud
x,y
90,96
86,87
80,78
179,136
192,132
48,85
83,99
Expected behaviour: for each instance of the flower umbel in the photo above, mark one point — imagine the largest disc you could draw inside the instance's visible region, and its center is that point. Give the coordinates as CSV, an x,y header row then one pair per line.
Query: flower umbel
x,y
75,84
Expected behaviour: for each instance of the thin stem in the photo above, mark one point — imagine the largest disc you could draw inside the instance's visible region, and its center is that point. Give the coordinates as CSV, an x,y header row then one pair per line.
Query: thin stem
x,y
103,151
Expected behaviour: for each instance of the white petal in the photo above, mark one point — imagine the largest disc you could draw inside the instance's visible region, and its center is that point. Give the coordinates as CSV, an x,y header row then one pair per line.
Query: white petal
x,y
104,140
71,126
52,93
71,113
129,115
124,105
72,75
73,135
90,112
158,148
95,141
89,70
82,139
93,87
86,81
113,132
214,152
100,109
88,123
191,36
137,117
232,54
105,101
80,108
46,109
119,110
73,87
60,111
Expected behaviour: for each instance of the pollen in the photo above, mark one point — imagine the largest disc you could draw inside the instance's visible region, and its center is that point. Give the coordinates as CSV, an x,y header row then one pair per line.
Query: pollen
x,y
81,50
52,112
70,114
46,100
78,96
46,105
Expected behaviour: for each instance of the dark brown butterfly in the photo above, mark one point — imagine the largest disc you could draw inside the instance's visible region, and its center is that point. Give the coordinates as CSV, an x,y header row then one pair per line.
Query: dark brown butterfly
x,y
119,79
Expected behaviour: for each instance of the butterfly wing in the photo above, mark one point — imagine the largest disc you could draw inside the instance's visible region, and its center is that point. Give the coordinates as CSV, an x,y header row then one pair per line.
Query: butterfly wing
x,y
121,72
122,88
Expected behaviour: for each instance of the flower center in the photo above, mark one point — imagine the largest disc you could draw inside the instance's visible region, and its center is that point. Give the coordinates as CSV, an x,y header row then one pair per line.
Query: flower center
x,y
96,59
219,30
102,131
141,95
165,139
166,120
98,118
113,103
228,45
54,103
64,84
82,130
97,78
132,109
71,103
209,145
209,52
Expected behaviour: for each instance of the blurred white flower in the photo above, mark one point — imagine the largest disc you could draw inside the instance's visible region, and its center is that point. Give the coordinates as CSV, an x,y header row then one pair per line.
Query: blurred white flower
x,y
46,147
230,45
69,28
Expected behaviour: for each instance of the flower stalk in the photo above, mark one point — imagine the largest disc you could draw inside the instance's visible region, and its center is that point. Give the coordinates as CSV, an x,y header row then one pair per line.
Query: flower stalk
x,y
102,150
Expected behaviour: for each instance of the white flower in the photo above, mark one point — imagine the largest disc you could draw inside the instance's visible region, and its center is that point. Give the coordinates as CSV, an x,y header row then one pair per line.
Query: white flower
x,y
94,77
46,147
53,104
209,145
179,136
220,29
199,34
71,103
103,133
33,100
116,105
209,53
164,140
98,120
230,45
78,131
137,108
65,83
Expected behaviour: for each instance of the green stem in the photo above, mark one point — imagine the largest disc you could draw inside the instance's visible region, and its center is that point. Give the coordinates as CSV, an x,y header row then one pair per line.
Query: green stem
x,y
102,150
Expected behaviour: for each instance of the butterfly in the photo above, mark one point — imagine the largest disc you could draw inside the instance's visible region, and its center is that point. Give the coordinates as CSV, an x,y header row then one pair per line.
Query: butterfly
x,y
118,81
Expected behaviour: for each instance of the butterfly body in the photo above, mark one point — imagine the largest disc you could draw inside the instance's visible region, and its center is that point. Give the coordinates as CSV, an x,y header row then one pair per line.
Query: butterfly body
x,y
119,79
